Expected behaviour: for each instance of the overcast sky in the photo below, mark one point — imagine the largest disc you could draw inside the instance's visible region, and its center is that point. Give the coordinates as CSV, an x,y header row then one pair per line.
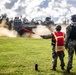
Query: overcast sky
x,y
39,9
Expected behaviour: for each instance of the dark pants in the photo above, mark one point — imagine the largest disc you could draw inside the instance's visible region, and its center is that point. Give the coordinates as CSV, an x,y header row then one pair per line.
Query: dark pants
x,y
71,50
55,56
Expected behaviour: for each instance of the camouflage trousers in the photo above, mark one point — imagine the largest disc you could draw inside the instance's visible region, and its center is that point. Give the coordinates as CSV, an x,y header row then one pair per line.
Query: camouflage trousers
x,y
71,49
55,56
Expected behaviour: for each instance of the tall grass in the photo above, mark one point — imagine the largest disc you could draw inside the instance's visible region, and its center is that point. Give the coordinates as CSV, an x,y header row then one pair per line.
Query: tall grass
x,y
18,56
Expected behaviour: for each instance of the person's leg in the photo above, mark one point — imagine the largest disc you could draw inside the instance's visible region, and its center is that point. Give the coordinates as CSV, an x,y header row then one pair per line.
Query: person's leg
x,y
54,60
70,60
61,57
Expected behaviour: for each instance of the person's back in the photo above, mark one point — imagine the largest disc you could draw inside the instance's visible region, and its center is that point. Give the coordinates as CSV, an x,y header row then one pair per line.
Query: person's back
x,y
73,31
59,36
58,51
70,42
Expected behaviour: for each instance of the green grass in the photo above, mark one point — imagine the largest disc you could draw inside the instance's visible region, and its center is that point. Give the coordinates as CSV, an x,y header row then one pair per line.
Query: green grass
x,y
18,56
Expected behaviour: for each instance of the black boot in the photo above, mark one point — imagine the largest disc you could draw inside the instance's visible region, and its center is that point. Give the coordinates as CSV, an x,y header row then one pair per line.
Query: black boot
x,y
62,68
54,68
68,70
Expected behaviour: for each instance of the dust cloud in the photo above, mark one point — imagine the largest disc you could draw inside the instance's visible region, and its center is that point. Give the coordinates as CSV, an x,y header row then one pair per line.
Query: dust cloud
x,y
40,30
43,30
62,25
64,28
4,31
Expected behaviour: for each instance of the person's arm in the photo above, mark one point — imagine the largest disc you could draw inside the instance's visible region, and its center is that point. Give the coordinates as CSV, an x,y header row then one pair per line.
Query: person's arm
x,y
46,36
53,41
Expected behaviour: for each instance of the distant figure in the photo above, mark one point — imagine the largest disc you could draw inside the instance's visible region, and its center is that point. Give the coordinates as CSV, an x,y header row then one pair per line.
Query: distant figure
x,y
57,47
70,42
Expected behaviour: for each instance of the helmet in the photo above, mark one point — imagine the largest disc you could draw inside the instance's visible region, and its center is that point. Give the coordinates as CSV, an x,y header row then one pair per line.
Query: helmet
x,y
73,18
58,28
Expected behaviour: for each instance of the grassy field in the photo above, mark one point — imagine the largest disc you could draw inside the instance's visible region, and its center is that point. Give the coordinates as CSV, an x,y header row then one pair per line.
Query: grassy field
x,y
18,56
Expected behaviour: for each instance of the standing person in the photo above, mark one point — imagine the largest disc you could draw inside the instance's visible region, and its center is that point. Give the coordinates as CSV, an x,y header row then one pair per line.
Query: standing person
x,y
57,47
70,42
